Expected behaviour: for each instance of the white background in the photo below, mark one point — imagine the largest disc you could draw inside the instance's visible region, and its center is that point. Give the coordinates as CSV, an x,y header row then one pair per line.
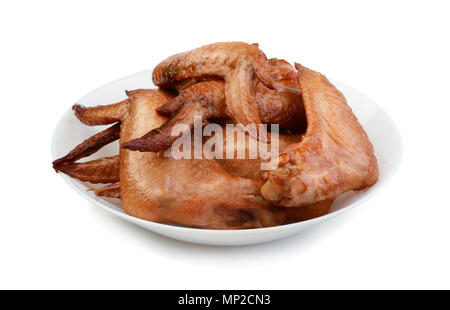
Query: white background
x,y
54,52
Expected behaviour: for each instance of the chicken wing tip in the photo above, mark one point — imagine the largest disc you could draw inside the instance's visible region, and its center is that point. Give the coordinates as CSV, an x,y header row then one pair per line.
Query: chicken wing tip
x,y
141,145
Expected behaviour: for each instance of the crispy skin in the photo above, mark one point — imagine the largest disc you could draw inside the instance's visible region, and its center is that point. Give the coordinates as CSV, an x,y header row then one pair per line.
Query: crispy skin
x,y
209,93
235,62
281,107
103,170
89,146
110,190
197,193
251,168
213,60
207,100
102,114
204,99
275,107
334,156
205,203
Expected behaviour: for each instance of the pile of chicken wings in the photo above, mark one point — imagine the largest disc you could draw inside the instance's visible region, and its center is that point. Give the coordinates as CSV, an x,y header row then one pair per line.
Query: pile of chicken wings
x,y
324,151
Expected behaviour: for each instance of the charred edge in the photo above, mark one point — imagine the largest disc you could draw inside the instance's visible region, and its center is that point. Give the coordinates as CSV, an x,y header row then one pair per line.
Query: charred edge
x,y
75,170
79,111
89,146
161,138
170,107
154,141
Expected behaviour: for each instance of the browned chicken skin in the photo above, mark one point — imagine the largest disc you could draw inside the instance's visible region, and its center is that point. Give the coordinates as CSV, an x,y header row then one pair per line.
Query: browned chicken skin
x,y
191,192
197,192
281,107
207,100
90,146
111,190
103,170
101,115
203,99
236,62
251,168
217,82
334,156
244,174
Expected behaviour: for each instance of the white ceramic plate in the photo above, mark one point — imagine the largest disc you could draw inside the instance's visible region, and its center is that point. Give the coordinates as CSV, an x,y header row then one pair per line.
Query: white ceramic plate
x,y
379,126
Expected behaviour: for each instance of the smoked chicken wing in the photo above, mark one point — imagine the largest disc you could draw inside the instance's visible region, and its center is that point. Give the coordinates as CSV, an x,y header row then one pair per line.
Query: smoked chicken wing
x,y
324,151
207,100
190,192
334,156
237,63
152,186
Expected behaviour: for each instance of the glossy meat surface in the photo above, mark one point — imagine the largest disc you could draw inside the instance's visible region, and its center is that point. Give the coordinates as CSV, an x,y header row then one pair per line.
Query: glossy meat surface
x,y
334,156
324,153
196,193
251,168
207,101
102,114
236,62
90,146
206,201
203,99
103,170
111,190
